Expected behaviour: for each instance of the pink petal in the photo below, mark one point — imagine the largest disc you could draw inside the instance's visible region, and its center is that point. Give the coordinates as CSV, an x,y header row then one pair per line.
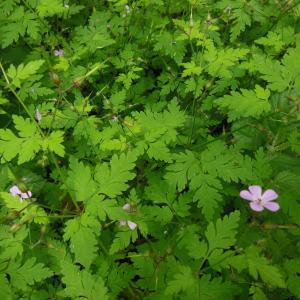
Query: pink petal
x,y
272,206
255,191
247,195
15,191
26,195
123,223
126,207
131,225
269,195
257,207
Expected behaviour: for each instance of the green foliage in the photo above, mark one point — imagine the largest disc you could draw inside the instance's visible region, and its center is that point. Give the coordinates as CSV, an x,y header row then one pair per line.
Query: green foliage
x,y
216,289
260,266
80,182
28,273
112,178
222,234
29,142
128,130
183,281
79,230
249,103
82,283
20,23
23,72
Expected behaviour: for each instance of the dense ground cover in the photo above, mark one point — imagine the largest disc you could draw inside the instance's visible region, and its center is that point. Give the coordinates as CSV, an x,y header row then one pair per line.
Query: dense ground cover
x,y
150,149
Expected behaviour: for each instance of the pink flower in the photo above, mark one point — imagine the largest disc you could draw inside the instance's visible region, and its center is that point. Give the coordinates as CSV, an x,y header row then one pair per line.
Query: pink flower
x,y
127,207
15,191
59,52
130,224
259,201
114,118
38,116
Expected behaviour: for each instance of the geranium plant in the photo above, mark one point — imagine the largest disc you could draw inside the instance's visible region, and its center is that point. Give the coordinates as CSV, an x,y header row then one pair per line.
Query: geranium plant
x,y
149,149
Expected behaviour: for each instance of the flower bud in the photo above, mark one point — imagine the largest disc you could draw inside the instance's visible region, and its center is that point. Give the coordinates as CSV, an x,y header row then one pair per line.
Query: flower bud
x,y
55,78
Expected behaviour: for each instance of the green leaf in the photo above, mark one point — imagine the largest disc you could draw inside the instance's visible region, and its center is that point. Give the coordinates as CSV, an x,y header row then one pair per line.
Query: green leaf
x,y
23,72
14,26
259,265
294,141
248,103
189,239
26,146
279,75
27,274
191,69
183,281
221,235
273,39
185,167
102,209
5,291
83,241
80,183
54,143
122,240
220,62
113,177
164,125
82,284
292,267
12,202
207,193
117,100
257,293
17,24
87,129
159,151
216,289
226,163
11,245
48,8
25,127
167,45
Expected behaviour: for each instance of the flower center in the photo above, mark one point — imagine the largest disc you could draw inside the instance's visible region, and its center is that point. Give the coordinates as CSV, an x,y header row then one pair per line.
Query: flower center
x,y
258,200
